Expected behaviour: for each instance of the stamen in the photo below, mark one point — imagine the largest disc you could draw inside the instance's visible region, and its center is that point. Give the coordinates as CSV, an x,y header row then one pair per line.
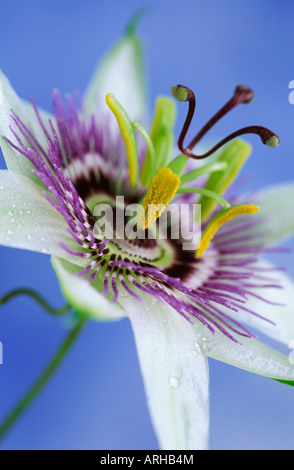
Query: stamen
x,y
128,134
151,149
204,170
206,192
178,164
234,155
161,134
225,215
162,189
242,94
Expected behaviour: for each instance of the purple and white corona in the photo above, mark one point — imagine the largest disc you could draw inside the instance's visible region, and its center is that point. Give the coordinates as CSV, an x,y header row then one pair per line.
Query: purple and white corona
x,y
184,305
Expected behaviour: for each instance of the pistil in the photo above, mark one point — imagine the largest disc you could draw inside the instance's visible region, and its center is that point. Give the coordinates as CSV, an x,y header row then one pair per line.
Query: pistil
x,y
242,94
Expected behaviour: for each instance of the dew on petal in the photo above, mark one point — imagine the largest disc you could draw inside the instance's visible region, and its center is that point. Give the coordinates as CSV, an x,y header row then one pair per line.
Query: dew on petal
x,y
174,382
202,345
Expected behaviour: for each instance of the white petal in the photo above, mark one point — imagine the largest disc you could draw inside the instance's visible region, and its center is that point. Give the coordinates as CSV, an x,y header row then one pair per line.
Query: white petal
x,y
82,295
121,73
276,212
281,315
175,374
9,100
27,219
251,355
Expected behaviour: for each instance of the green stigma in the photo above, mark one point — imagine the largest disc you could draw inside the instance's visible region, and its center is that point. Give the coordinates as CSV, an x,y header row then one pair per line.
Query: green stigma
x,y
273,141
180,92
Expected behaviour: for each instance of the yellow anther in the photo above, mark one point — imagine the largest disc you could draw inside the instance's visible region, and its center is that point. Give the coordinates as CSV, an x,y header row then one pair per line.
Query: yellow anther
x,y
129,137
162,189
225,215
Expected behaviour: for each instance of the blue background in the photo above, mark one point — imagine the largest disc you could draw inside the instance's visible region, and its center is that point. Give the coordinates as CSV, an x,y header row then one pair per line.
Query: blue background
x,y
96,400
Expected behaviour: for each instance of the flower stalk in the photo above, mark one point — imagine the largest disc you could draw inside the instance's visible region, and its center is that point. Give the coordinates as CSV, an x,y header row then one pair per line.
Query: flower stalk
x,y
37,298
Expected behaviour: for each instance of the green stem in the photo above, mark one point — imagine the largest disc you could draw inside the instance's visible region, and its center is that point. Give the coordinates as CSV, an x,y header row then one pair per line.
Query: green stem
x,y
42,380
35,296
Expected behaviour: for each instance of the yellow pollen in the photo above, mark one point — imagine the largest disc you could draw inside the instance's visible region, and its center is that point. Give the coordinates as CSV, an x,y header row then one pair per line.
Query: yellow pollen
x,y
162,189
225,215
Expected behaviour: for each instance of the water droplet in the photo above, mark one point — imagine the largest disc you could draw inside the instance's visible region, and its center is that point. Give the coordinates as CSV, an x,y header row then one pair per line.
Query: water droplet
x,y
203,343
21,212
43,239
29,237
10,213
206,347
29,212
174,382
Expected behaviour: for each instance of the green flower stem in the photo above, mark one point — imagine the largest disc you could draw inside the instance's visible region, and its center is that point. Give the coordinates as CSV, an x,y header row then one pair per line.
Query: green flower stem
x,y
35,296
208,193
42,380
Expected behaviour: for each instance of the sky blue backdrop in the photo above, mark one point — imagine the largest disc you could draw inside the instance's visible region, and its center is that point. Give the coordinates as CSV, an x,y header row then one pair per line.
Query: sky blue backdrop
x,y
96,401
